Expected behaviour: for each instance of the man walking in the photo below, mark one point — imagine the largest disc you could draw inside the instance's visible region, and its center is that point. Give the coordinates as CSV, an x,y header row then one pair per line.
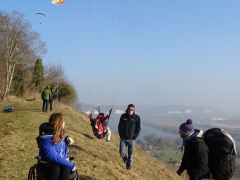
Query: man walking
x,y
195,157
46,96
128,128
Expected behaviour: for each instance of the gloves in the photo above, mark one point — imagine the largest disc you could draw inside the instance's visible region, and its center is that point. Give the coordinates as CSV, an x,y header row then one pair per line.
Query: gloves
x,y
134,137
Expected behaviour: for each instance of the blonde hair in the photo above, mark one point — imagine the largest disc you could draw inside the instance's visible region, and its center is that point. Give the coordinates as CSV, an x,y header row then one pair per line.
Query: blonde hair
x,y
56,121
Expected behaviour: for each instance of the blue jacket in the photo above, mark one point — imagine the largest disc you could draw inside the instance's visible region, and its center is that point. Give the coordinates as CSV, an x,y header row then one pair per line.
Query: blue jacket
x,y
57,154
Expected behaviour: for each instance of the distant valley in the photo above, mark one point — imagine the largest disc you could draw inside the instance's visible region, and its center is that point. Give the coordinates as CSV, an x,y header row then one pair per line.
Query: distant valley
x,y
169,117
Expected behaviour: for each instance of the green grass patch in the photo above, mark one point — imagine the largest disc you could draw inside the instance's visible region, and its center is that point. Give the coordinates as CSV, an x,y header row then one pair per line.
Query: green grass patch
x,y
168,154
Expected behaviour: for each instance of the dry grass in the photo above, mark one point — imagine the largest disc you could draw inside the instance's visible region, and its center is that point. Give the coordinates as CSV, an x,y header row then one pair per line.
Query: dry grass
x,y
95,159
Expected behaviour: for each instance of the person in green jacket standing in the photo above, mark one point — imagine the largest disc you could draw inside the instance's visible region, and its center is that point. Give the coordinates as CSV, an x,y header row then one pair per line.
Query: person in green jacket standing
x,y
46,96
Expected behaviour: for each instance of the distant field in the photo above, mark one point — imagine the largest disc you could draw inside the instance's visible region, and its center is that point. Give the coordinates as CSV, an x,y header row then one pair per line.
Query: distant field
x,y
171,125
168,154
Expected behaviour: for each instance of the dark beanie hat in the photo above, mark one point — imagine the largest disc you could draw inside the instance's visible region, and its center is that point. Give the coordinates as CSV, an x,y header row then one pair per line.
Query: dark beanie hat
x,y
187,127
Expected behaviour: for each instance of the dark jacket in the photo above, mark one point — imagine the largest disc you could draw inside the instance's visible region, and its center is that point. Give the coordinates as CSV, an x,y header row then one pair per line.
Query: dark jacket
x,y
129,126
195,157
53,96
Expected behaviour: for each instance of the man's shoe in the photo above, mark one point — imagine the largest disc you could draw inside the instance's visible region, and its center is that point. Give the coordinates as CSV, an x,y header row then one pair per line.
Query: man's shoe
x,y
129,169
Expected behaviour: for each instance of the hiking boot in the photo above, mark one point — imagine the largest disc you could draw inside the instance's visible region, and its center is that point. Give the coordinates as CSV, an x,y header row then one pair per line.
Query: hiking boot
x,y
130,169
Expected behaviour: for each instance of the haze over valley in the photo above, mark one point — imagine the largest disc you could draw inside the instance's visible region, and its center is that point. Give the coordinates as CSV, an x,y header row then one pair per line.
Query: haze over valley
x,y
165,119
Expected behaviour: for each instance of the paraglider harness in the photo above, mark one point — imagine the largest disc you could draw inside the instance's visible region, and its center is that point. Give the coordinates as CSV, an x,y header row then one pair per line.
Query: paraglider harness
x,y
95,123
96,133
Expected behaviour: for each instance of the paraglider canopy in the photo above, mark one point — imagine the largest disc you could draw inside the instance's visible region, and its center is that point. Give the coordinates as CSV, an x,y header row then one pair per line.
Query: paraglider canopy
x,y
40,13
58,1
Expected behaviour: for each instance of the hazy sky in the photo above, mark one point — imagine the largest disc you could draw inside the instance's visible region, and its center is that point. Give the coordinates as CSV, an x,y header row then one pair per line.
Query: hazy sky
x,y
145,52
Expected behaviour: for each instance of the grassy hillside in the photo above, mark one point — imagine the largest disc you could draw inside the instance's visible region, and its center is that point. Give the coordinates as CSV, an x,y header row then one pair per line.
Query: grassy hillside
x,y
95,159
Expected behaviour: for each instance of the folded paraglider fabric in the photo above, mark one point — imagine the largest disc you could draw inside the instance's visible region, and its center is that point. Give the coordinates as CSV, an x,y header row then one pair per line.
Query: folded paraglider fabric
x,y
8,109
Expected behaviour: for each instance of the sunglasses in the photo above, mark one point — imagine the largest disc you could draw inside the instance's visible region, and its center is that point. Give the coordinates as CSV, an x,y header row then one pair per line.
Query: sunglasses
x,y
130,109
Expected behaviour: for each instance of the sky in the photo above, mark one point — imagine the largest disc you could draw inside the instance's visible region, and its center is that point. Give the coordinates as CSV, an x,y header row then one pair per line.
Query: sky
x,y
143,52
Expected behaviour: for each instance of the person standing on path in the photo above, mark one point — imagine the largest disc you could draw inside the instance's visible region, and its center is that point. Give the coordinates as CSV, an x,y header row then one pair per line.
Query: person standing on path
x,y
53,97
46,96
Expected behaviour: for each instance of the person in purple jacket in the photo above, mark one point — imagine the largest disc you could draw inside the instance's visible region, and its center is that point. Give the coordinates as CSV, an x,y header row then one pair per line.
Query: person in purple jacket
x,y
53,151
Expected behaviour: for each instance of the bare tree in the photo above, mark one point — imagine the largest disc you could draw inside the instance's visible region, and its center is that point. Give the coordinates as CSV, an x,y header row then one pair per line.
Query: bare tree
x,y
18,44
54,76
53,73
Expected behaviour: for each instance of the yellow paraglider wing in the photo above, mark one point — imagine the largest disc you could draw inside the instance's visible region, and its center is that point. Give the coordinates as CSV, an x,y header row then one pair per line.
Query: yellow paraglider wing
x,y
58,1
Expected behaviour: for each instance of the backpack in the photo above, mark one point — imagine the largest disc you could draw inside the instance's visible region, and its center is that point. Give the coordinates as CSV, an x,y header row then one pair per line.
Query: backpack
x,y
222,153
8,109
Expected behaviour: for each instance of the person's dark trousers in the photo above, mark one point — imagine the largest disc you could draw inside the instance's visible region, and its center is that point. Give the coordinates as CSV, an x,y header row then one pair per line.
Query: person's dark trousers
x,y
130,143
45,105
55,172
51,103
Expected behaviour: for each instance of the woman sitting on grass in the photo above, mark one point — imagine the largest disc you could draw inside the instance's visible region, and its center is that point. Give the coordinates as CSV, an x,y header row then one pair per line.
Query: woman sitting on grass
x,y
53,151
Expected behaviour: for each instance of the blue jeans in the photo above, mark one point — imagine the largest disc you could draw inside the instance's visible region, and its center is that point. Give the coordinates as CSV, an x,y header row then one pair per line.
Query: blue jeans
x,y
45,105
130,143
